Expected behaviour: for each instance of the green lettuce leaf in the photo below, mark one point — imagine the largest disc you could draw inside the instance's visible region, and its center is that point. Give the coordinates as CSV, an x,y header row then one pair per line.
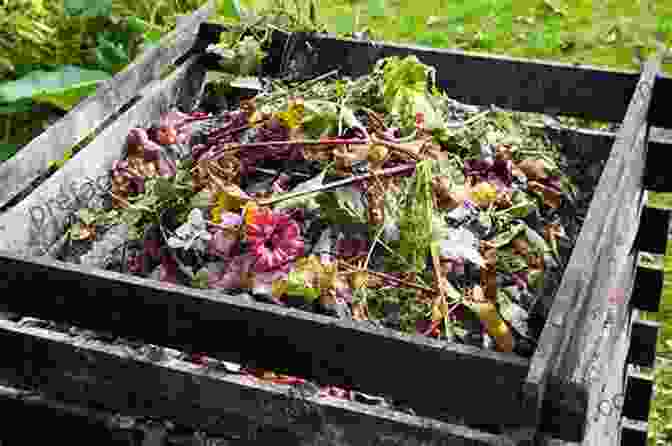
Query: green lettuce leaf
x,y
405,92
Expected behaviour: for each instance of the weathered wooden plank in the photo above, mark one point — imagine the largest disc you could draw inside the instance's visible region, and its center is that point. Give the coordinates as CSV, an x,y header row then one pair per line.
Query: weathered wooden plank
x,y
601,425
638,394
603,417
656,177
600,257
653,230
522,84
87,424
648,289
109,376
34,224
330,351
572,398
659,115
28,164
633,434
643,345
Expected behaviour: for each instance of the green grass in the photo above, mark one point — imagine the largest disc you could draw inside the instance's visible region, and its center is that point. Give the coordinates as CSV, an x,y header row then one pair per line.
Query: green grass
x,y
600,32
664,316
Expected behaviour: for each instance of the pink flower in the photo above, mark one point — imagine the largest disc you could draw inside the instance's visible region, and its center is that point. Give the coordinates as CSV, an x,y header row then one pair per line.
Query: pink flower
x,y
222,243
275,240
235,276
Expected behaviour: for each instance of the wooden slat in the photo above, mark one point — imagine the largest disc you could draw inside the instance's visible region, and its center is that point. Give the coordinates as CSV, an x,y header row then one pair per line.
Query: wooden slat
x,y
74,422
331,351
657,178
653,230
633,434
638,394
660,107
93,373
643,345
600,425
29,163
601,261
524,85
648,289
34,224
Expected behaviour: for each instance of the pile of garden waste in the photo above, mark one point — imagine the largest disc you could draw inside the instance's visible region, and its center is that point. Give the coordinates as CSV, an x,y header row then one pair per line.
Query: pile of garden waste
x,y
377,199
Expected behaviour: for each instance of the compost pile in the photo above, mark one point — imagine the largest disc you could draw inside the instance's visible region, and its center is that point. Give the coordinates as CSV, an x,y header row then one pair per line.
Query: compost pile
x,y
377,199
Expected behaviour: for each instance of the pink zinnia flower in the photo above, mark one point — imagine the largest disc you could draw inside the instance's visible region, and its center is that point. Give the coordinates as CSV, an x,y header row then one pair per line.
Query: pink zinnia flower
x,y
275,240
225,238
235,275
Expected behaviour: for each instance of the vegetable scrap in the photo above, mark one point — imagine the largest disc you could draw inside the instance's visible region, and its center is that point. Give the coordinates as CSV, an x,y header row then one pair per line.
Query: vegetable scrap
x,y
378,199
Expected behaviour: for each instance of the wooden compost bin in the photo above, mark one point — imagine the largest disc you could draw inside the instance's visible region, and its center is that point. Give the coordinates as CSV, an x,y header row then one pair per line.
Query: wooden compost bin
x,y
459,393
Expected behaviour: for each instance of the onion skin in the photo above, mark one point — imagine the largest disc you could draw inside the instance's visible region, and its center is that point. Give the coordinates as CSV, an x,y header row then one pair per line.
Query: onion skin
x,y
534,169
